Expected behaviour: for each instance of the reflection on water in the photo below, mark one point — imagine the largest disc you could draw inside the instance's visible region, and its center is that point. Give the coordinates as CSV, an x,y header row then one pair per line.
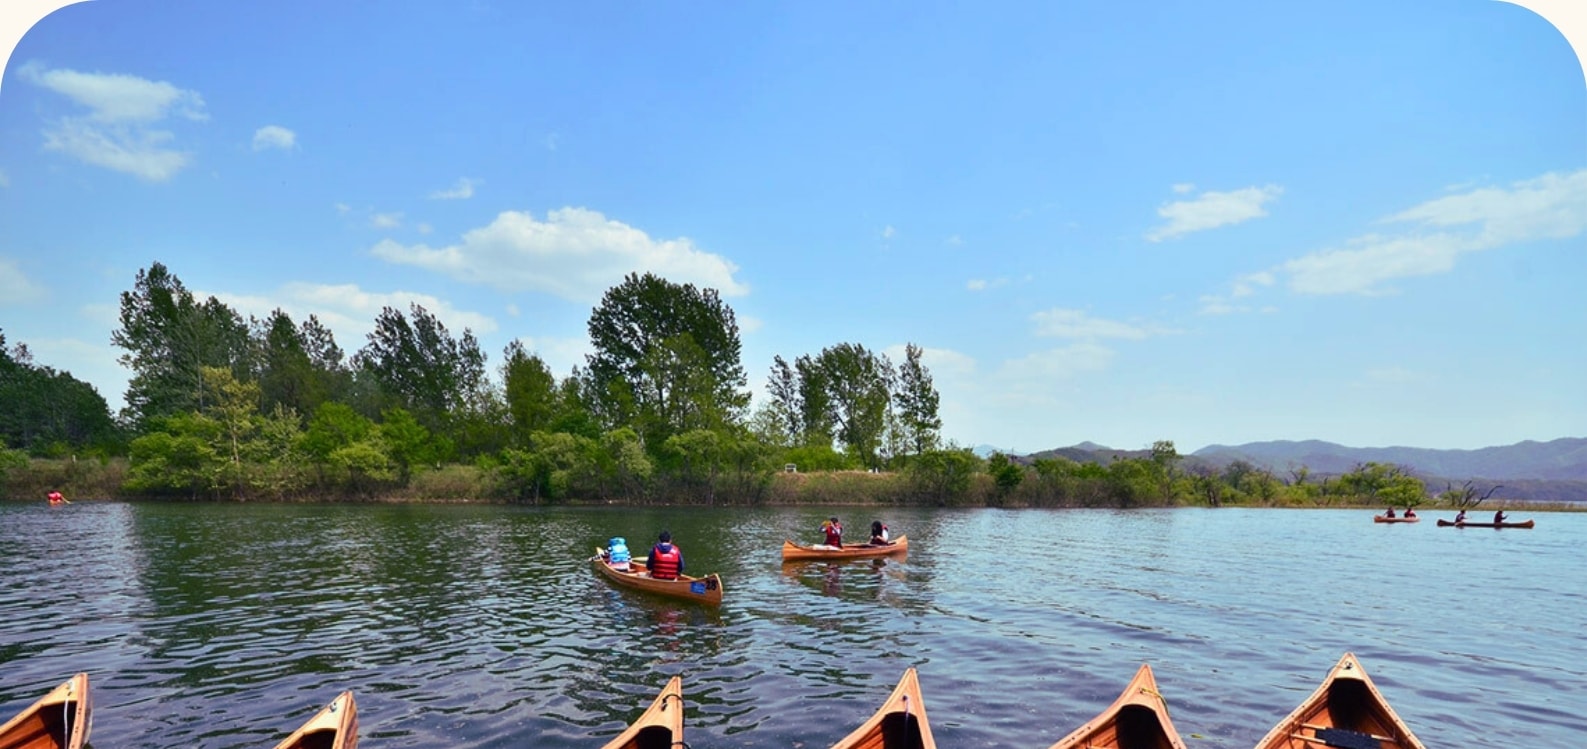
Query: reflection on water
x,y
227,625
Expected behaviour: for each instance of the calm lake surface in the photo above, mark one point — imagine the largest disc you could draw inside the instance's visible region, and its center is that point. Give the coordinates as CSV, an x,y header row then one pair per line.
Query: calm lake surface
x,y
464,626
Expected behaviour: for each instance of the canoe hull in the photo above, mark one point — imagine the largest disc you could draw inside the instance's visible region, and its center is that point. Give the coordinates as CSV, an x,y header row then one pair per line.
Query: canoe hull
x,y
335,726
1138,718
900,723
1442,523
1381,519
707,590
792,552
1347,705
62,719
661,725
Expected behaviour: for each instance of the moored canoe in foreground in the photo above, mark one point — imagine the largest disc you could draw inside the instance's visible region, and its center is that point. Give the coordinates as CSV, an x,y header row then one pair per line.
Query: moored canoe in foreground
x,y
335,726
660,726
1442,523
899,724
1347,710
1138,719
794,552
1382,519
706,589
61,719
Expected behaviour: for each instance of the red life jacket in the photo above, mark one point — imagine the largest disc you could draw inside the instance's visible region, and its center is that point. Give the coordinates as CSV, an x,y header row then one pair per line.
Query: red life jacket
x,y
834,534
664,564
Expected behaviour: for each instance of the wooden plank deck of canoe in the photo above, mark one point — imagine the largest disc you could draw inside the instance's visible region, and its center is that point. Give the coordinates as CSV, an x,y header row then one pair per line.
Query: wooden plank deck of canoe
x,y
61,719
706,589
335,726
1138,718
900,723
1442,523
792,552
1346,710
660,726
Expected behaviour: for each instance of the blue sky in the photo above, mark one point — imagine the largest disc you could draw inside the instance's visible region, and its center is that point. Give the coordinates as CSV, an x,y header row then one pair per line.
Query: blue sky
x,y
1213,222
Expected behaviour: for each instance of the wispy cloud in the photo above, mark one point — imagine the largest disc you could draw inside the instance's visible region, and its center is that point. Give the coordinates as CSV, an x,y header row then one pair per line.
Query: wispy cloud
x,y
1553,206
982,284
16,289
386,220
1183,188
119,130
463,190
1072,323
1211,210
888,232
274,136
953,241
575,253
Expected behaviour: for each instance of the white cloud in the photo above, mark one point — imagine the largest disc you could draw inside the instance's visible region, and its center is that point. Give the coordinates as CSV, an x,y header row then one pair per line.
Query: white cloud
x,y
1073,323
1212,304
1183,188
274,136
463,190
1211,210
386,220
749,324
118,132
888,232
343,208
1034,374
1245,285
982,284
576,254
16,289
1553,206
424,228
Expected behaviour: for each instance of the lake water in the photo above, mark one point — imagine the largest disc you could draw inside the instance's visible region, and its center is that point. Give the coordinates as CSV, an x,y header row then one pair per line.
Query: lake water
x,y
227,625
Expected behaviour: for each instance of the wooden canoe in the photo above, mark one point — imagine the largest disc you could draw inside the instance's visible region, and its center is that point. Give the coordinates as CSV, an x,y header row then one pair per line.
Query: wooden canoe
x,y
1381,519
1347,710
1138,719
899,724
706,589
61,719
335,726
1442,523
792,552
660,726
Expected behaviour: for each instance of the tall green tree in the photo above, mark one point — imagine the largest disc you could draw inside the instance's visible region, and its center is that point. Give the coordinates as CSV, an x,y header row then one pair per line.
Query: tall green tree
x,y
530,390
421,368
817,413
859,386
917,402
46,412
784,408
666,358
168,338
299,366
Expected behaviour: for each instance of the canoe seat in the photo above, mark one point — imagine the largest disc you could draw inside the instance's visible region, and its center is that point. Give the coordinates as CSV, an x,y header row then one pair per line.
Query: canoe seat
x,y
1347,739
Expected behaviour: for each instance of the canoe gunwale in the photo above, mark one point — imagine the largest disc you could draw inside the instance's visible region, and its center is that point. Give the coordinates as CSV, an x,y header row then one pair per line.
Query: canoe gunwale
x,y
339,717
1348,669
79,722
659,715
1142,692
905,700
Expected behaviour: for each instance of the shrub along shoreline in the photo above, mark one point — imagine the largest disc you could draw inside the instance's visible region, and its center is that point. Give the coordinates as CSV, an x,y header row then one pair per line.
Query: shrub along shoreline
x,y
105,479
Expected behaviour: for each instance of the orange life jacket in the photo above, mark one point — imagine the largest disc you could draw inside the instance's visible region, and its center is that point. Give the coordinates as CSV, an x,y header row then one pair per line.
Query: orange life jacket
x,y
665,565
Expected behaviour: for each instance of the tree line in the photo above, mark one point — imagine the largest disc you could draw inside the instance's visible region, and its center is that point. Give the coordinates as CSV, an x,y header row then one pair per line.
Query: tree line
x,y
222,406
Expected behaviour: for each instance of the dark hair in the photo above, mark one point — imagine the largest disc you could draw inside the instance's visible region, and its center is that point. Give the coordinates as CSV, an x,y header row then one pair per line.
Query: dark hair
x,y
666,537
876,526
834,518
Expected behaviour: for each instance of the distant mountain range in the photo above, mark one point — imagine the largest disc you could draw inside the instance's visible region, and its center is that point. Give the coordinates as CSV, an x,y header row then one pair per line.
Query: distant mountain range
x,y
1555,470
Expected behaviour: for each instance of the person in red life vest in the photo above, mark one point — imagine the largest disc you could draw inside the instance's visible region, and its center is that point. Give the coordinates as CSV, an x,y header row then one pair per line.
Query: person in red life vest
x,y
834,532
55,497
666,560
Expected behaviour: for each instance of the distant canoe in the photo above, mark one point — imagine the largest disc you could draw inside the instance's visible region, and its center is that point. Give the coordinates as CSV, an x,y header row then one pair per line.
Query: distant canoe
x,y
1381,519
1347,710
899,724
1442,523
660,726
792,552
1138,718
706,589
61,719
335,726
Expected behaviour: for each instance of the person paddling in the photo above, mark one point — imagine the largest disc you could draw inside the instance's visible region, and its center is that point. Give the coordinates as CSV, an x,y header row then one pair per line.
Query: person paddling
x,y
1460,517
833,531
666,560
